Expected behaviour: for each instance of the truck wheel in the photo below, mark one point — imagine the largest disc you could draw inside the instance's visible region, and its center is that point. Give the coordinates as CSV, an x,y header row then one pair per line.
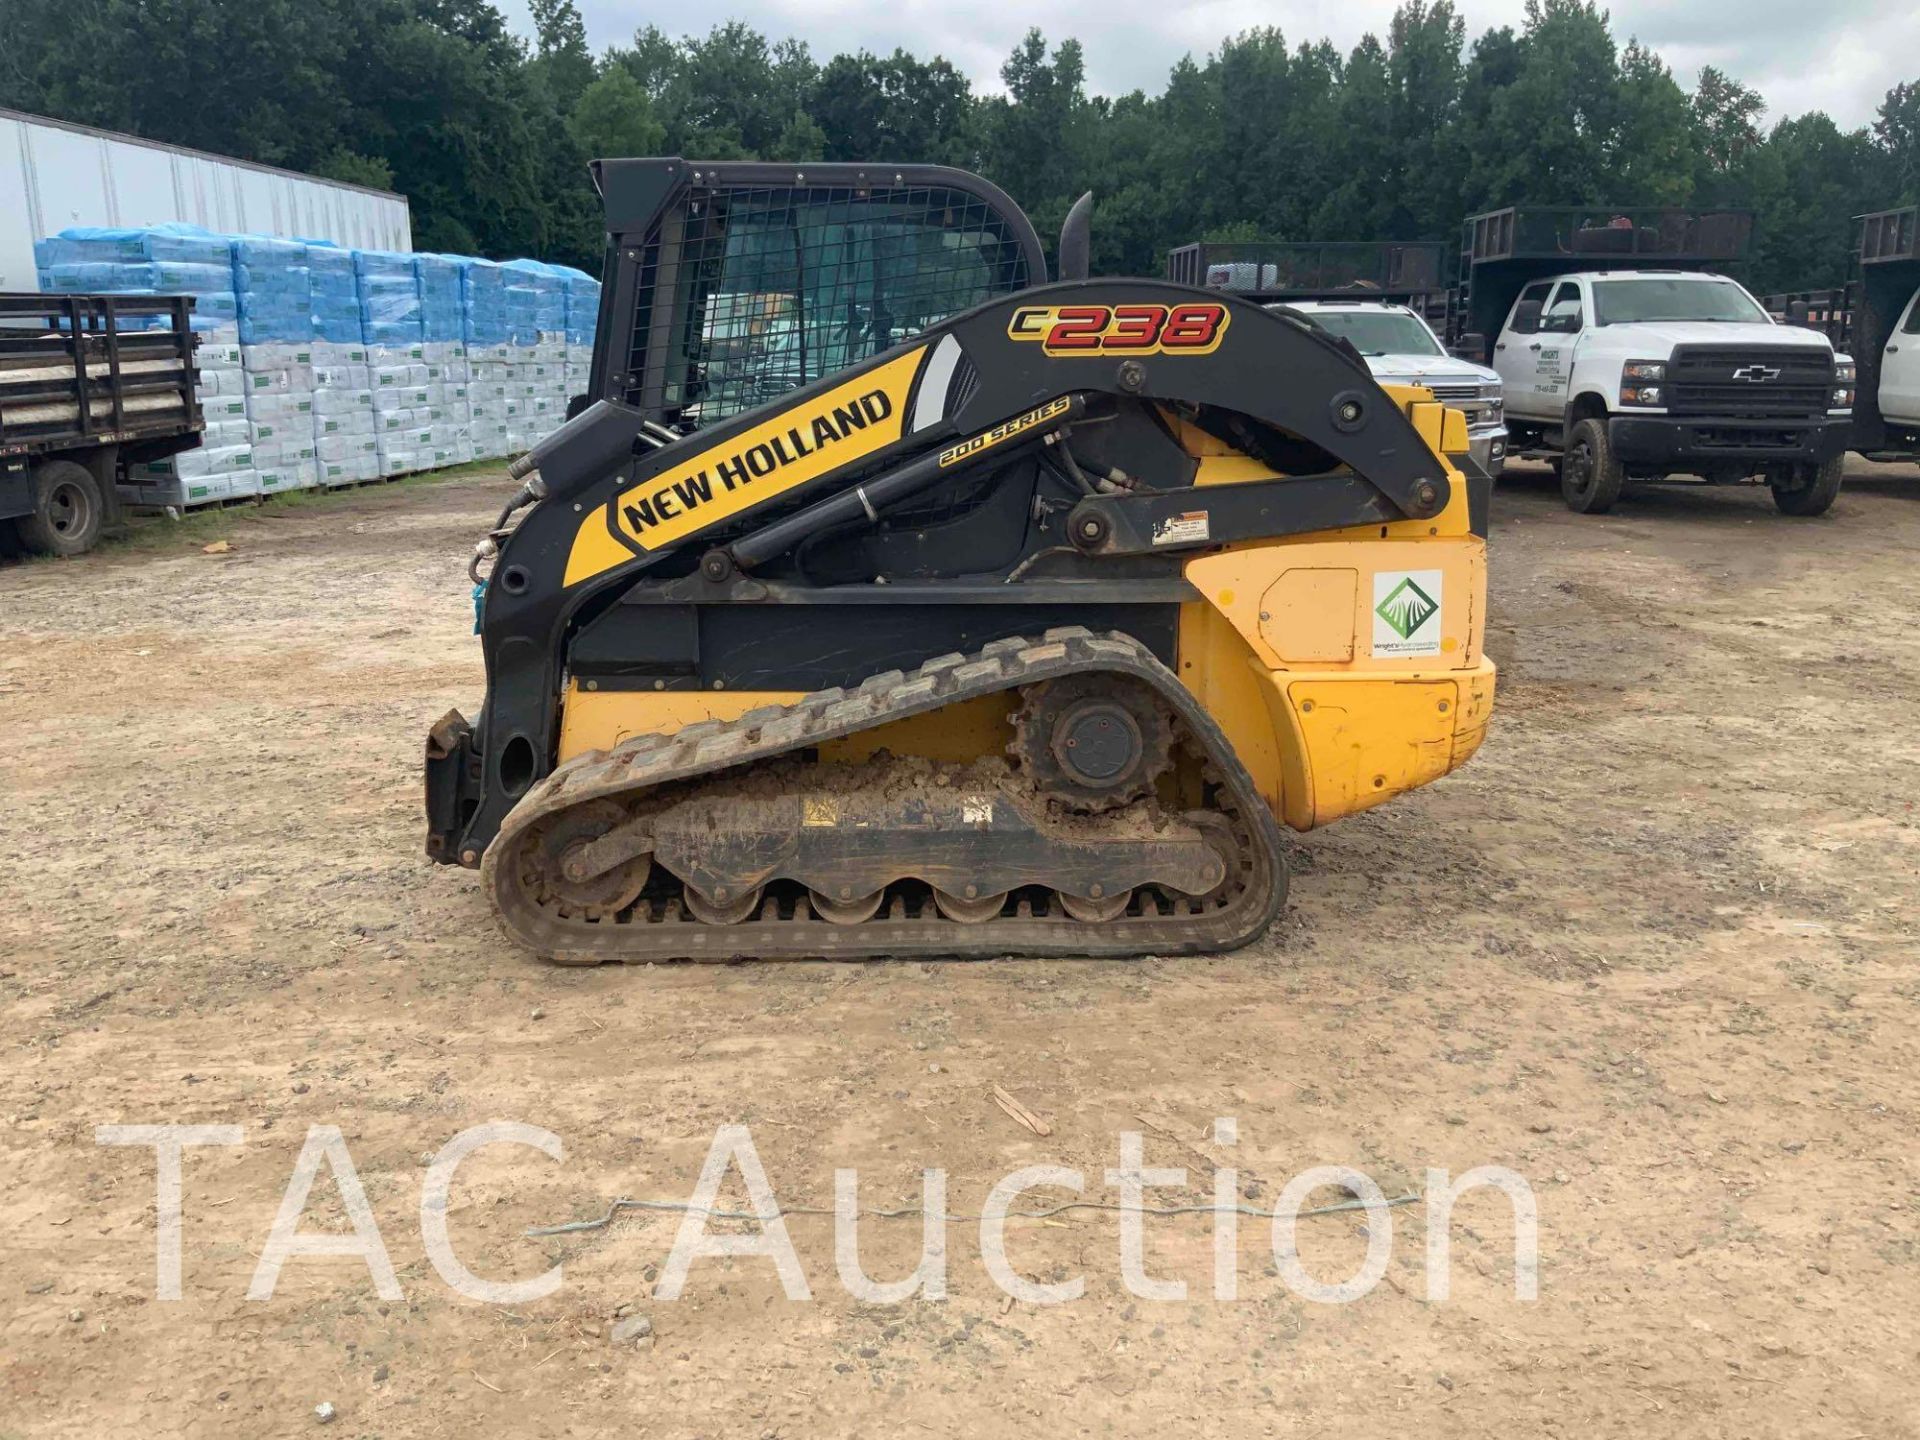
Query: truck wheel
x,y
68,511
1806,489
1590,478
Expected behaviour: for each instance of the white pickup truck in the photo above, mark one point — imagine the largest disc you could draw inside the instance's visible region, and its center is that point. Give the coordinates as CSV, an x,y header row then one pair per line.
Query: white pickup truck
x,y
1900,378
1649,374
1400,349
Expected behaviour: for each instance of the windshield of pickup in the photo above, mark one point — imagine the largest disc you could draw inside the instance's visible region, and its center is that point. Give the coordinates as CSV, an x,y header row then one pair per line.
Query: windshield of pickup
x,y
1378,332
1625,302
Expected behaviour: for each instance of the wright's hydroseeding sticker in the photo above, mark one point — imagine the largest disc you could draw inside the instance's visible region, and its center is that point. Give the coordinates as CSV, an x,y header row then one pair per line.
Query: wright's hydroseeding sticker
x,y
1406,612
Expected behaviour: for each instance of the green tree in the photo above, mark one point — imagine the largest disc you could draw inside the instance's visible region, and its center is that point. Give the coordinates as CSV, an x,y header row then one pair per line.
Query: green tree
x,y
1726,118
614,118
896,109
800,139
563,61
1423,74
1653,148
1358,205
1547,132
1805,183
489,137
1896,129
343,165
1034,136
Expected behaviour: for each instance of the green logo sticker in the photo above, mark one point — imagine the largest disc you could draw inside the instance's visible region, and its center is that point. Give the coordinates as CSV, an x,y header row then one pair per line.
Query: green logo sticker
x,y
1406,608
1407,612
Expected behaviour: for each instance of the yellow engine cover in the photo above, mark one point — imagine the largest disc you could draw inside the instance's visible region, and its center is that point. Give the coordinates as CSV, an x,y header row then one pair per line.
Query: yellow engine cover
x,y
1345,667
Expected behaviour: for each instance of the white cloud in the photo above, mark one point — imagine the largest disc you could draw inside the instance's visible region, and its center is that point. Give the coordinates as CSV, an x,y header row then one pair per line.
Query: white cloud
x,y
1840,56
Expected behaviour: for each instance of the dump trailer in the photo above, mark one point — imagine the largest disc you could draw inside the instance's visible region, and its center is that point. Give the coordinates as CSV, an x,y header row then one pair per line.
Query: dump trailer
x,y
890,600
89,384
1875,317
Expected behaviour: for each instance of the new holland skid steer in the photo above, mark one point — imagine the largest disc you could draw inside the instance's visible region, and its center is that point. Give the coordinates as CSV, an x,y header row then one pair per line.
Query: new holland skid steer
x,y
889,600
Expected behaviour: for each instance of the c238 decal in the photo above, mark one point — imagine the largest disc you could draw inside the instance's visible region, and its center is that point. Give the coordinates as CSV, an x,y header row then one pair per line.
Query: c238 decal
x,y
1065,330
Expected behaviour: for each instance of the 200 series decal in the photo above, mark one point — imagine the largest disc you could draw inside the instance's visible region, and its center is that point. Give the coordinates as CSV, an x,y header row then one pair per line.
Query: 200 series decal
x,y
1006,430
1191,329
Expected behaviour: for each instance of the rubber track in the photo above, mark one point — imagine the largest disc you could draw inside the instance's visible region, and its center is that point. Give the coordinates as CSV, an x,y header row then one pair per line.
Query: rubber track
x,y
650,931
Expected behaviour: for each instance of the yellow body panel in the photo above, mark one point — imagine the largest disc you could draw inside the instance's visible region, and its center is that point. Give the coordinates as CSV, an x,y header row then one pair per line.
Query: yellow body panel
x,y
601,719
1327,718
1221,670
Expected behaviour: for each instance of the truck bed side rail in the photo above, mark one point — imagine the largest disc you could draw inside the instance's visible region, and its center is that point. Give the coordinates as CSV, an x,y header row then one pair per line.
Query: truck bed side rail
x,y
78,370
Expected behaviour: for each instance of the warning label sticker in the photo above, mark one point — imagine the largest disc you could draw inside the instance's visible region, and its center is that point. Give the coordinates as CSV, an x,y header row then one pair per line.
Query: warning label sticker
x,y
1406,612
1188,528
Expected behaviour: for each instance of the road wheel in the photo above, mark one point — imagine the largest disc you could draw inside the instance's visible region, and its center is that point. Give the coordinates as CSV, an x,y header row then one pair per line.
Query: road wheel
x,y
1806,489
68,510
1590,478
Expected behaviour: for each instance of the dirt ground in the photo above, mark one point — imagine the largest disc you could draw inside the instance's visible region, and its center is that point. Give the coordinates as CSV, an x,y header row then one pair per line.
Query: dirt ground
x,y
1654,949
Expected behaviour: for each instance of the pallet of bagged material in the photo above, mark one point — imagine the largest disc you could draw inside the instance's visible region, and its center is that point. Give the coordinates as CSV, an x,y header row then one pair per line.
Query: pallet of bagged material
x,y
178,494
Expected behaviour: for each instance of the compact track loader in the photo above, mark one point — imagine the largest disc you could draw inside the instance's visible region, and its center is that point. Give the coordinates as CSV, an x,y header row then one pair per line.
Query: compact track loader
x,y
889,600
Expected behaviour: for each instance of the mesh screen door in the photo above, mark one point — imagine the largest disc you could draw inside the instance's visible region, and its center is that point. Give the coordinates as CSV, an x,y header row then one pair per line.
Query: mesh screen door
x,y
747,292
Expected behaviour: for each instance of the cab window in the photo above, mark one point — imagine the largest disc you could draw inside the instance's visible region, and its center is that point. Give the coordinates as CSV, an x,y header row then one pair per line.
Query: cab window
x,y
1563,315
1912,327
1537,294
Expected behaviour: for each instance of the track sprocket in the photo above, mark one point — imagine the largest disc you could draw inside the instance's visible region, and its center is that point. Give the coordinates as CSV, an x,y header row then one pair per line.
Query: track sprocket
x,y
1092,742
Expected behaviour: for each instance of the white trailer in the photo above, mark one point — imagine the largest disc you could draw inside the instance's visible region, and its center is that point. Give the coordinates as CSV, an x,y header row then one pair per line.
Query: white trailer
x,y
54,175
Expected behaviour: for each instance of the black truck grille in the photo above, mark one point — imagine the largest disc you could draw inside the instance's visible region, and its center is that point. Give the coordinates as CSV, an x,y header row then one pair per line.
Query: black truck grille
x,y
1762,384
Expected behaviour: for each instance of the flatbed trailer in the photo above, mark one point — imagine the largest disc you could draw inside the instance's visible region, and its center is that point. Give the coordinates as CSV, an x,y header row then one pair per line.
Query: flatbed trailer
x,y
89,385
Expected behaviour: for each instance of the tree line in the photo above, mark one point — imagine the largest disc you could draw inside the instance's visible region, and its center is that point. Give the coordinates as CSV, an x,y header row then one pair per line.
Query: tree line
x,y
1399,138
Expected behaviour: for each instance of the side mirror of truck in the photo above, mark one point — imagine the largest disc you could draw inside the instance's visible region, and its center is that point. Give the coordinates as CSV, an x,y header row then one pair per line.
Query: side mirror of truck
x,y
1797,312
1526,317
1471,346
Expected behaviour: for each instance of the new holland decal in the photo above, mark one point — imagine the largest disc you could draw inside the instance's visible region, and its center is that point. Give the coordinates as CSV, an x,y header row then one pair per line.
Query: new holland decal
x,y
1066,330
826,432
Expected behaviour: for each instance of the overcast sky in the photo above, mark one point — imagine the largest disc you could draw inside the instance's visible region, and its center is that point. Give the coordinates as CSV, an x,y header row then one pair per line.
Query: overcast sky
x,y
1840,56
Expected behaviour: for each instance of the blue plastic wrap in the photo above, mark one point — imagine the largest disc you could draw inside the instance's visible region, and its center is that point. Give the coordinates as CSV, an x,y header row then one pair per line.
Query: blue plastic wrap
x,y
484,302
583,305
442,310
389,298
536,300
210,312
275,289
335,294
183,244
391,332
166,277
269,252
